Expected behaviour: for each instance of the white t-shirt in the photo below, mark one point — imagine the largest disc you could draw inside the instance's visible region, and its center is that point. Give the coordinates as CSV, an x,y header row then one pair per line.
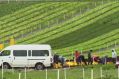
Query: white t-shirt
x,y
114,54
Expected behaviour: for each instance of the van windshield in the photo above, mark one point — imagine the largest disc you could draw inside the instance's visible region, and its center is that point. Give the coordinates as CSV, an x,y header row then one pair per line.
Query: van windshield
x,y
5,53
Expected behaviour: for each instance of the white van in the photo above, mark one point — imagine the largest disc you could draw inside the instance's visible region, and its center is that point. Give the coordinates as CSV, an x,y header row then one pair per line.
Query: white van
x,y
38,56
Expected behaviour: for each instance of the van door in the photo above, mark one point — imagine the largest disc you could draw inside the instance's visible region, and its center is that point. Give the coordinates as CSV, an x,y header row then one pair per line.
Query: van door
x,y
41,56
19,58
5,56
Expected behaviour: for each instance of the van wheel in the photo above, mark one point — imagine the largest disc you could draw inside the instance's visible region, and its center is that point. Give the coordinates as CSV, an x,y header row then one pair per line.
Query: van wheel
x,y
39,66
6,66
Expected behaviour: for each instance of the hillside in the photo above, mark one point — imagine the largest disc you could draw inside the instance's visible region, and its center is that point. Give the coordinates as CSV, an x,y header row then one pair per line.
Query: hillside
x,y
39,16
9,8
66,26
88,31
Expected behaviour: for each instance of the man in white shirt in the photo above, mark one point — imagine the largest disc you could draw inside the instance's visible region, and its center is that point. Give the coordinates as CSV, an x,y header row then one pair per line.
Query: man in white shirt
x,y
114,55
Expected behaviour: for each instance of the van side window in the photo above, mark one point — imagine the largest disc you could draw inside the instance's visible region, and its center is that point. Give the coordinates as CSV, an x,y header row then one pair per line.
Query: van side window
x,y
29,52
5,53
20,52
40,53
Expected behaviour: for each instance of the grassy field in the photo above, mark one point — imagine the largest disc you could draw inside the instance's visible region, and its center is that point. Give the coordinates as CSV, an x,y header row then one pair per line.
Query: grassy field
x,y
86,31
66,26
9,8
108,71
39,16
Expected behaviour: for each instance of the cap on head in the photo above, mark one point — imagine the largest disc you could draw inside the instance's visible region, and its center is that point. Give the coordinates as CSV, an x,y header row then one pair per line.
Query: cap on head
x,y
113,50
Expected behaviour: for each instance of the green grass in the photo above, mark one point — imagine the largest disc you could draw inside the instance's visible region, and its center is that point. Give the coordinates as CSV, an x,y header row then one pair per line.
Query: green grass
x,y
35,20
109,72
27,19
66,26
69,34
80,34
68,30
73,22
9,8
108,38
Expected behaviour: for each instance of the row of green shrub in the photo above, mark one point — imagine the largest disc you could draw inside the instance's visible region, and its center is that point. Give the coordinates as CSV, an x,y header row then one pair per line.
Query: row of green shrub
x,y
35,17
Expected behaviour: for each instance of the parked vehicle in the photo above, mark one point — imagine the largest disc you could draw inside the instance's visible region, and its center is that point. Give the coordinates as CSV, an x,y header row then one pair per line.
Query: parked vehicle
x,y
117,62
38,56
